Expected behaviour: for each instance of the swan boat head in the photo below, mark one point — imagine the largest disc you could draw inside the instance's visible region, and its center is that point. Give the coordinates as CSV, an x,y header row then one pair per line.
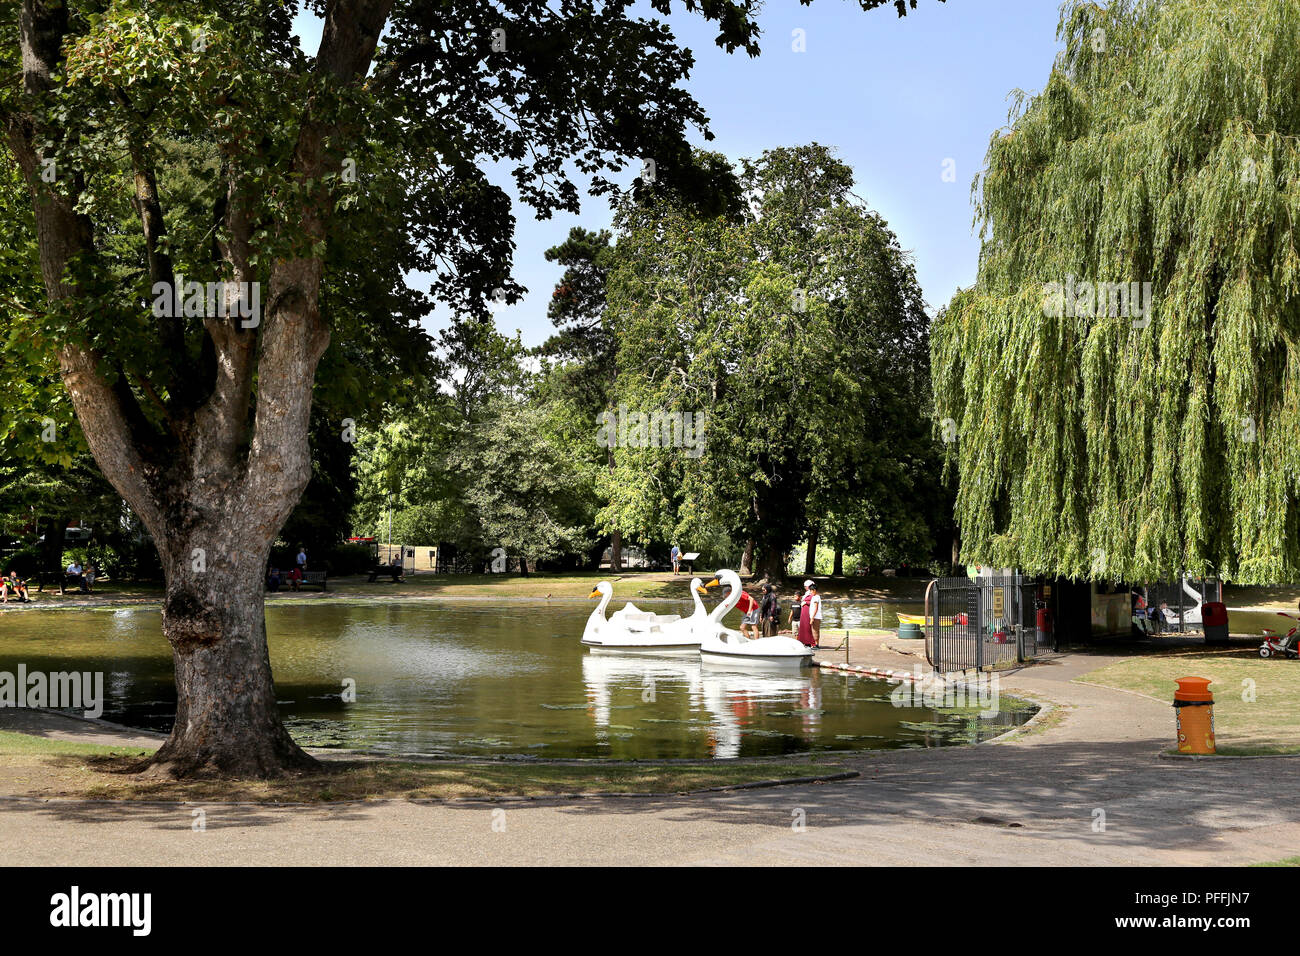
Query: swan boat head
x,y
732,580
734,646
697,588
605,592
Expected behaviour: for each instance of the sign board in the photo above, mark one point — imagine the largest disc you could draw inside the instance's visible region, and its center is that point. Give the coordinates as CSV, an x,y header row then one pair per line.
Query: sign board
x,y
998,602
691,557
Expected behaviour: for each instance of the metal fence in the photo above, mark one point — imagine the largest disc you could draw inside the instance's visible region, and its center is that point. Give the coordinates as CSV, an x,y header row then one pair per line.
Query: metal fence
x,y
1168,603
478,564
982,622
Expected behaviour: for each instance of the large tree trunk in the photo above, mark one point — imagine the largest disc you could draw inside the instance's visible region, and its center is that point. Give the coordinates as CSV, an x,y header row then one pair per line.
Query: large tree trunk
x,y
747,558
810,558
838,570
616,550
616,536
227,719
771,565
51,551
214,516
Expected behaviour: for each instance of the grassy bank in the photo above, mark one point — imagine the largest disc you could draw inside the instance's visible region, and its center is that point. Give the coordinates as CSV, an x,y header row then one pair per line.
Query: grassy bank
x,y
1267,724
628,584
124,593
1280,597
48,768
539,586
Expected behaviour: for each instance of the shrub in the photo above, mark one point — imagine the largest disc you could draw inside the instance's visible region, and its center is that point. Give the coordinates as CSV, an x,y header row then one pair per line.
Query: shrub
x,y
337,559
24,562
349,559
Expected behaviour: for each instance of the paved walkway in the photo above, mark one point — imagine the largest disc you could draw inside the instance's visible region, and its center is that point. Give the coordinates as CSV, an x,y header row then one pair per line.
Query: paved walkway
x,y
1033,799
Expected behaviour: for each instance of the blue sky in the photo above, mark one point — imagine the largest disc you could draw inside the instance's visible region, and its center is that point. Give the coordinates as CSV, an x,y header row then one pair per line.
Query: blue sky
x,y
897,98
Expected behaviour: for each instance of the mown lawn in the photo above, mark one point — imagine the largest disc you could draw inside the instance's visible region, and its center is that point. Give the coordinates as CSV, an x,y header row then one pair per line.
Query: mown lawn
x,y
14,747
635,584
538,586
40,766
1256,701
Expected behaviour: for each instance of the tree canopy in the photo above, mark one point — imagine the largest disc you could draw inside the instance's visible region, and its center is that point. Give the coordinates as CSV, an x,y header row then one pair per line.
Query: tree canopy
x,y
793,339
1094,436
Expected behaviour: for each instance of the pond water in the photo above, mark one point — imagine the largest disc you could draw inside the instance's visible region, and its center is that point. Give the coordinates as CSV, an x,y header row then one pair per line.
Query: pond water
x,y
488,678
855,615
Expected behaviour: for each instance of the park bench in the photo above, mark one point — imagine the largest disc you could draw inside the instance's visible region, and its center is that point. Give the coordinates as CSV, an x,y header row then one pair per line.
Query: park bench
x,y
395,571
74,582
314,577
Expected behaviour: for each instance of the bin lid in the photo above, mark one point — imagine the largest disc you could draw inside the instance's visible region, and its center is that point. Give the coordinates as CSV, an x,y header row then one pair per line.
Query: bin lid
x,y
1193,688
1214,612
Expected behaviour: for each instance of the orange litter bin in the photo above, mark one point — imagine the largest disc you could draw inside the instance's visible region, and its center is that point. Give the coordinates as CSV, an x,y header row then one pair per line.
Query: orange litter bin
x,y
1194,711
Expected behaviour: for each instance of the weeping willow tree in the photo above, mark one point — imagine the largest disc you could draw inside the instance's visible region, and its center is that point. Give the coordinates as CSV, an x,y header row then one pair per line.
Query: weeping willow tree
x,y
1095,434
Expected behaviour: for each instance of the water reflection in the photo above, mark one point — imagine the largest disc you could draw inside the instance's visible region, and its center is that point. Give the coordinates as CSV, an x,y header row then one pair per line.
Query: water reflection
x,y
725,705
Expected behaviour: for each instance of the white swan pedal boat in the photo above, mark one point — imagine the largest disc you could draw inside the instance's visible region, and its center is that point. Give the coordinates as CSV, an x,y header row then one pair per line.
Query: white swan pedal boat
x,y
724,646
631,630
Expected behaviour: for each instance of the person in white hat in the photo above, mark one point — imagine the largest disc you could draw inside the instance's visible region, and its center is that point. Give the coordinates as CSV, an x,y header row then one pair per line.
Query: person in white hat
x,y
813,614
799,621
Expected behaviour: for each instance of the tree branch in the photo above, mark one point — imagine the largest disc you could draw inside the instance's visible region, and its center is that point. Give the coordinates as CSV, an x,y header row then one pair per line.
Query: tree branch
x,y
63,234
293,335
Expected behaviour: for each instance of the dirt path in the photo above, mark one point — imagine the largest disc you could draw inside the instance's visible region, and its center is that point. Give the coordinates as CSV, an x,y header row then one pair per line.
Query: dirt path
x,y
1032,799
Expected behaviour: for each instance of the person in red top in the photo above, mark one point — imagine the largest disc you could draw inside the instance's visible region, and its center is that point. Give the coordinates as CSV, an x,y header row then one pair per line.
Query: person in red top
x,y
805,632
814,616
749,623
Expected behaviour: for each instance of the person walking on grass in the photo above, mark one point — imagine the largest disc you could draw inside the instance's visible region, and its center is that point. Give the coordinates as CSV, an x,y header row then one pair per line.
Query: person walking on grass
x,y
676,558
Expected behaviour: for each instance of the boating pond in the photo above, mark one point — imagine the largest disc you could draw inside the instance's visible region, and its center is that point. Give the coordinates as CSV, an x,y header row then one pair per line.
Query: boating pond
x,y
495,678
